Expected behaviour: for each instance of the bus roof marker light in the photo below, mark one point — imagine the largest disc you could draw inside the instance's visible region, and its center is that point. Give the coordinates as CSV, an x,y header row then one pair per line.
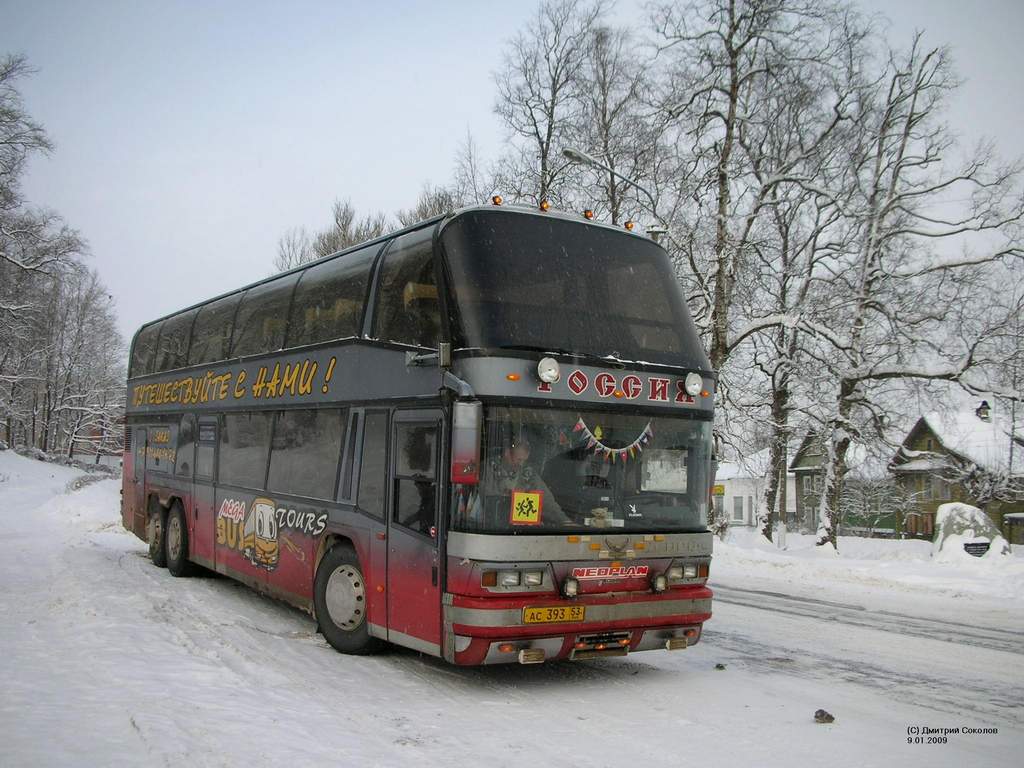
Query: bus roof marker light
x,y
629,225
548,370
588,214
497,200
545,205
513,377
694,384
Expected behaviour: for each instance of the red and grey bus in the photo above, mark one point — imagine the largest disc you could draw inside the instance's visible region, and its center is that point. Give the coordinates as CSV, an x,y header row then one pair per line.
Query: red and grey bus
x,y
486,437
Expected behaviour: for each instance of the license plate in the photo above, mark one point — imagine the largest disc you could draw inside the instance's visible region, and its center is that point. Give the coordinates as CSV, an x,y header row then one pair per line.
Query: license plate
x,y
559,613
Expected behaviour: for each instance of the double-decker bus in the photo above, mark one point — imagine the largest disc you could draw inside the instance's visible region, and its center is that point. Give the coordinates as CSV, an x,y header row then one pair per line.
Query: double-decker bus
x,y
486,437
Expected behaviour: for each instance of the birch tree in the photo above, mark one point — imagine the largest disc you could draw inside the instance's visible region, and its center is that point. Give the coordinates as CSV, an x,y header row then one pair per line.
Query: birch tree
x,y
904,300
537,96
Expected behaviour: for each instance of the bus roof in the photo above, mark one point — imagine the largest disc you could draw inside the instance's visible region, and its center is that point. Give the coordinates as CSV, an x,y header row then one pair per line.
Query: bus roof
x,y
447,218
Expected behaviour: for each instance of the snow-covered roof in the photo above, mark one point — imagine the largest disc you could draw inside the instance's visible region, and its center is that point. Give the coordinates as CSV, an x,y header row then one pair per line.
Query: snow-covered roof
x,y
754,465
986,443
919,464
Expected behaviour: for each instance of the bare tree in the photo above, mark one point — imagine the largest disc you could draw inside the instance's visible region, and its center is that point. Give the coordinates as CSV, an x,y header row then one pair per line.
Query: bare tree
x,y
348,230
433,201
613,126
294,248
901,305
537,99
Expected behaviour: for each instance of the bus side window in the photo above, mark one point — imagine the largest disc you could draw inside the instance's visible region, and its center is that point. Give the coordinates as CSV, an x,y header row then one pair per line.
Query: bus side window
x,y
144,350
211,336
172,349
304,452
345,487
260,325
185,460
373,467
407,308
416,476
159,452
205,449
330,297
244,446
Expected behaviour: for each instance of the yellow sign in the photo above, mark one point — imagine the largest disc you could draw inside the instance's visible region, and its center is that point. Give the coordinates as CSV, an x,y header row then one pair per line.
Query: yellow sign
x,y
718,490
526,507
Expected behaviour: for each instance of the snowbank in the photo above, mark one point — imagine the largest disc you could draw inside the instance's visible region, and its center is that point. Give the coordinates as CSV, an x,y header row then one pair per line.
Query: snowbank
x,y
958,525
902,569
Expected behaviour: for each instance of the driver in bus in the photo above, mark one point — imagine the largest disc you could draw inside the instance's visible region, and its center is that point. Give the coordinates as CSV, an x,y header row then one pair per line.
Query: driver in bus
x,y
515,473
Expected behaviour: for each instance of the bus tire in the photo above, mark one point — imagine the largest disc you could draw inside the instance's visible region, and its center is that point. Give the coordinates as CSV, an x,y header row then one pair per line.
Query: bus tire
x,y
176,542
339,600
156,533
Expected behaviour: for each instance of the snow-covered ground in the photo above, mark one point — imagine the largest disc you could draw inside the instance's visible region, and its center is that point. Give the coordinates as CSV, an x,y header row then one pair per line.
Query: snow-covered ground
x,y
107,660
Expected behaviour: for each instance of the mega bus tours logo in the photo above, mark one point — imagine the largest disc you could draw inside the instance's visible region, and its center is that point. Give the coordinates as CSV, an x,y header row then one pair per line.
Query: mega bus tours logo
x,y
257,534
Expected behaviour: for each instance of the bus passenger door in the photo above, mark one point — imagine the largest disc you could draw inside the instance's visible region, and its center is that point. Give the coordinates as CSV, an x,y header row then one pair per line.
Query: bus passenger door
x,y
138,499
203,509
414,591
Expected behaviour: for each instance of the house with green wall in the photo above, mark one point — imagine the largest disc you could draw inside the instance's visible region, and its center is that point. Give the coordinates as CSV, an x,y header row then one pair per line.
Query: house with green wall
x,y
972,457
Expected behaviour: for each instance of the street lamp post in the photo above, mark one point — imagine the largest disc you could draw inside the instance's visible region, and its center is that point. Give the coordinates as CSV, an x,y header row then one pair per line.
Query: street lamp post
x,y
655,231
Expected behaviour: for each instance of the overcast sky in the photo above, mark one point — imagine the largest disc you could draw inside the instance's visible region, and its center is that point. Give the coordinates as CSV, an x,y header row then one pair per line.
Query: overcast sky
x,y
189,136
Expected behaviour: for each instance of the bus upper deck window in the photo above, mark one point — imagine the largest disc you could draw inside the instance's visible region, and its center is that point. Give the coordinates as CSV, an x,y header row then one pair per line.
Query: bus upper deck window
x,y
407,304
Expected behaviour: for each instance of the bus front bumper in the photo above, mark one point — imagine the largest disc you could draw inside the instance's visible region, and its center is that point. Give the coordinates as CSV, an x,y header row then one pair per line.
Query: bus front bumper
x,y
486,630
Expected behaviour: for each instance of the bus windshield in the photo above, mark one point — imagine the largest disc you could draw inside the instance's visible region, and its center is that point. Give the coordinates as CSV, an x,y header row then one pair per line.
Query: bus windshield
x,y
562,285
557,471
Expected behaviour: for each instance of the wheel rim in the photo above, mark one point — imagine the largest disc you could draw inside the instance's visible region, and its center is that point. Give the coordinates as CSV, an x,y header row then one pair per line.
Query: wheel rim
x,y
174,538
346,597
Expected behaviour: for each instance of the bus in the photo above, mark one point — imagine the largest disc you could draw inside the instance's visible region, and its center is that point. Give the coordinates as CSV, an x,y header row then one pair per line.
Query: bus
x,y
485,437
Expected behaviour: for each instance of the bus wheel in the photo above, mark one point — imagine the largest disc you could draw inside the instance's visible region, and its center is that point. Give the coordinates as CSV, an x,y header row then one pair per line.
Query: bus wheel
x,y
156,530
339,598
176,544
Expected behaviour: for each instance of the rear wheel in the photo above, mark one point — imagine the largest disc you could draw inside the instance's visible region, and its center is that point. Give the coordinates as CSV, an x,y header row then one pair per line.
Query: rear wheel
x,y
156,529
177,542
339,598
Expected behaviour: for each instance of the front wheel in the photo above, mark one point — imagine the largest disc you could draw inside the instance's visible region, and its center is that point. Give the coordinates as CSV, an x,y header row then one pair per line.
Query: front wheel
x,y
177,542
339,598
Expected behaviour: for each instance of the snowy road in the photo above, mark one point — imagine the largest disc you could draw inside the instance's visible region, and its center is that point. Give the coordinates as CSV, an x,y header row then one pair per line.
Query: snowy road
x,y
108,660
951,666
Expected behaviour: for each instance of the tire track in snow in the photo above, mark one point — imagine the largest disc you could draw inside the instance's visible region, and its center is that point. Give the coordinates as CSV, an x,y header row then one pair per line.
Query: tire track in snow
x,y
992,638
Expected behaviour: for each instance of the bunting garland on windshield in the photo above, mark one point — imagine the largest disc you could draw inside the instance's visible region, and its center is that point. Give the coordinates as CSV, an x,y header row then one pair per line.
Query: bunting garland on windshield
x,y
593,442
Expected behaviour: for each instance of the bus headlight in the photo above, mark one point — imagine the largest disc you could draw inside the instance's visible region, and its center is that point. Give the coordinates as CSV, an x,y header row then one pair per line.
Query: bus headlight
x,y
694,384
533,578
690,571
548,370
508,578
675,573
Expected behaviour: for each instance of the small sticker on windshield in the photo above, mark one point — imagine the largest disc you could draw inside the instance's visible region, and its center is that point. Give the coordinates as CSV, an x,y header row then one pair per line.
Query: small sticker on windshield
x,y
526,507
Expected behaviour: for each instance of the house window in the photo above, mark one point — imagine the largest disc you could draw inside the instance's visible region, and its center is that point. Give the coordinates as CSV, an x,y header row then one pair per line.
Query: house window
x,y
940,489
737,508
928,444
925,486
750,507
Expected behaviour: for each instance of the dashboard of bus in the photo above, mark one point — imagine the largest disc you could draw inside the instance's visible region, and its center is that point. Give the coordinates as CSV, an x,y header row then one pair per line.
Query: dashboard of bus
x,y
565,470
